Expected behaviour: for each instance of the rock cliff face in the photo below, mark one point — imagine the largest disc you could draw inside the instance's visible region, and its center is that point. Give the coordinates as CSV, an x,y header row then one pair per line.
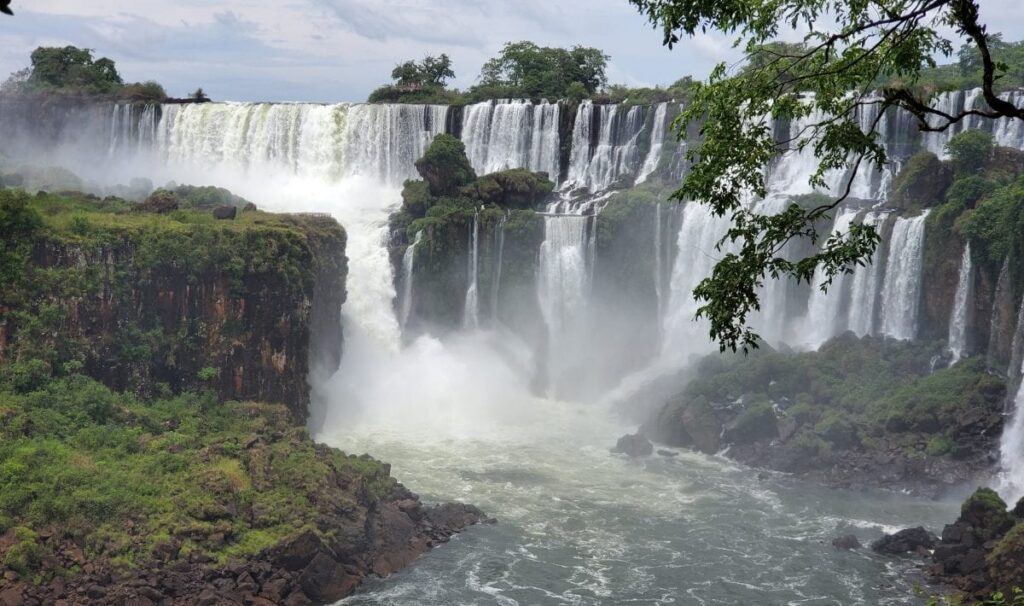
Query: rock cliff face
x,y
239,309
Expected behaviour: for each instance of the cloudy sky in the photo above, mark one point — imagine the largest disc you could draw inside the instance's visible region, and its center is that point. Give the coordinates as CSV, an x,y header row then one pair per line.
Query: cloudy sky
x,y
339,50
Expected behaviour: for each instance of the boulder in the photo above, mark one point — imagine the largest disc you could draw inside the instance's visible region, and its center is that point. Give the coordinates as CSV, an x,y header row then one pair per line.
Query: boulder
x,y
225,212
910,540
160,202
635,445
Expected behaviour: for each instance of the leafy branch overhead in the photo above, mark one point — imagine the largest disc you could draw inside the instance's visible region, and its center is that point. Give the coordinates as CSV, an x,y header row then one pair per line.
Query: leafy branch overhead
x,y
857,58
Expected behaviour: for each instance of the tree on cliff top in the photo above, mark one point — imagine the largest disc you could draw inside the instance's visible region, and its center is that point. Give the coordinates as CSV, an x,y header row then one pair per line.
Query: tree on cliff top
x,y
848,48
72,67
523,69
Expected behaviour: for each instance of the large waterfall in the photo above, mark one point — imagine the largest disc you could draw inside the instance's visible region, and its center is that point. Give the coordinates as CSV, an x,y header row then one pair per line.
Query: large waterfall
x,y
456,405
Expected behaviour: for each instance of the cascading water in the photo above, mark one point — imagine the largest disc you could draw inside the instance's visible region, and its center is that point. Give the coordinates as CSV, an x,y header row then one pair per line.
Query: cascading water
x,y
901,291
864,286
456,415
823,310
657,142
961,307
499,248
1011,450
563,287
408,261
500,135
616,153
471,312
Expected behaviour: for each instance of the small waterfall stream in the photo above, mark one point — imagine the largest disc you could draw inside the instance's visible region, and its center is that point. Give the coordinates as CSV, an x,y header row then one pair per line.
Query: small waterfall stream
x,y
471,312
961,307
408,259
901,290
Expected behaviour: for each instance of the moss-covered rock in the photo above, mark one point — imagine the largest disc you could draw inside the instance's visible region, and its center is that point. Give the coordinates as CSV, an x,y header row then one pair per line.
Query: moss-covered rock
x,y
870,411
445,166
516,189
921,184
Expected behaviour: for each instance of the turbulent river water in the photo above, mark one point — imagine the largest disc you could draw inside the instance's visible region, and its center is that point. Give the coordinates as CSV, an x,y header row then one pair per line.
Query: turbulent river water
x,y
578,525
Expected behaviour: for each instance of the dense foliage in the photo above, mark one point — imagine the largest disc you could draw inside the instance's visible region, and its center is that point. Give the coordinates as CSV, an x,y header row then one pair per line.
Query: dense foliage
x,y
71,69
526,70
851,394
848,48
418,82
125,478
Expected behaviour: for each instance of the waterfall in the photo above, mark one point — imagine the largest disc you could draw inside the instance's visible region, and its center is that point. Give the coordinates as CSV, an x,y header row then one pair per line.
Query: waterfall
x,y
500,135
328,142
616,154
1011,450
657,141
823,319
407,278
901,291
961,307
864,287
471,312
657,259
499,248
563,288
699,233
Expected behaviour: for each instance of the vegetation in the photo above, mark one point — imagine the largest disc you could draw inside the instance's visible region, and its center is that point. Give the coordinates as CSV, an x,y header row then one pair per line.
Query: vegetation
x,y
125,477
526,70
848,48
419,82
72,70
849,395
127,342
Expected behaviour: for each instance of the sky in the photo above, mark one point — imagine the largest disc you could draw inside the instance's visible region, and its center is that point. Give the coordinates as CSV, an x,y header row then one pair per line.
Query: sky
x,y
340,50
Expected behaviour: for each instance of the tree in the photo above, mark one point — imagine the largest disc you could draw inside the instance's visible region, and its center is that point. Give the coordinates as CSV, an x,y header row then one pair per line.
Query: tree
x,y
72,68
970,151
849,47
432,71
523,69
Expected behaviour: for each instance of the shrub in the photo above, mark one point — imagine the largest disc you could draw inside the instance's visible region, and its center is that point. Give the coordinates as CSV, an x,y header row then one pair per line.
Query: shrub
x,y
970,151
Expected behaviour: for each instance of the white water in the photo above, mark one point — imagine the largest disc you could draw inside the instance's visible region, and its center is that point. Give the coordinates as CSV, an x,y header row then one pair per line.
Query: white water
x,y
657,142
901,291
499,248
500,135
563,289
823,319
471,311
864,286
408,261
961,306
1011,451
616,154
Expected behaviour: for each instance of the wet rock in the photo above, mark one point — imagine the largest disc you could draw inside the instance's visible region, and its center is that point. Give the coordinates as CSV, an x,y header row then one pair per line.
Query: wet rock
x,y
846,542
667,453
910,540
635,445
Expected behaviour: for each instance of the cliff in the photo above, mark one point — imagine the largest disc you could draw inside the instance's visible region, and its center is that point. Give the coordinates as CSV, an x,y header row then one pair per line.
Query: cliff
x,y
150,303
153,395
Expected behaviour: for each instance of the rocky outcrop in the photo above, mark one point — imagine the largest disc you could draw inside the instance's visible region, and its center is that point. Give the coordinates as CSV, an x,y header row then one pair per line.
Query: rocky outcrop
x,y
149,308
858,413
634,445
982,551
314,567
910,540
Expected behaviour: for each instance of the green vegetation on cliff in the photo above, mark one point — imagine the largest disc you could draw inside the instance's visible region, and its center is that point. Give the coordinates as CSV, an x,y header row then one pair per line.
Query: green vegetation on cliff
x,y
144,300
74,71
867,395
126,479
